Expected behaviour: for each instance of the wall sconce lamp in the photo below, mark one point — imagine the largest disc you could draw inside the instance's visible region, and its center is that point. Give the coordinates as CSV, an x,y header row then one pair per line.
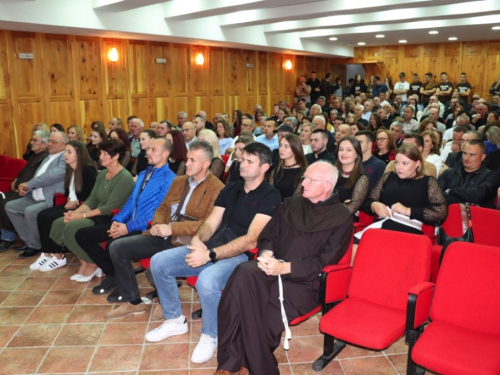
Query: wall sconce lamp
x,y
200,60
288,65
113,55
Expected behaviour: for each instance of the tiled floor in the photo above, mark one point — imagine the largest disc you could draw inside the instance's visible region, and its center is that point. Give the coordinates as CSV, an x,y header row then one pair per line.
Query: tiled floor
x,y
52,325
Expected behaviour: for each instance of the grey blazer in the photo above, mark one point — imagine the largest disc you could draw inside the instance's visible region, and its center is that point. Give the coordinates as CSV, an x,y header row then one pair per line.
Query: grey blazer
x,y
52,181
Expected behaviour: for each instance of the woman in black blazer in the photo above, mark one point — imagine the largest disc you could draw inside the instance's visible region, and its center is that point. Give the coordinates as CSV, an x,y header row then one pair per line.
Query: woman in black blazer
x,y
78,183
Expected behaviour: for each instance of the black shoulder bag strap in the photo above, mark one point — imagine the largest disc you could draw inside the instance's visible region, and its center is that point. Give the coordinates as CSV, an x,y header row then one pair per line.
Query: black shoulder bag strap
x,y
445,240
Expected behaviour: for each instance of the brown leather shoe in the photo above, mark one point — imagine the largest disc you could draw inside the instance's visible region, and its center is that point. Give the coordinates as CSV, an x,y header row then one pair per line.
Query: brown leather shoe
x,y
157,313
125,310
244,371
224,372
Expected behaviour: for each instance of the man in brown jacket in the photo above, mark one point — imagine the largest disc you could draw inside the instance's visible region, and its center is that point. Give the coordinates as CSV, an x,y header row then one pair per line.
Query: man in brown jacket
x,y
196,191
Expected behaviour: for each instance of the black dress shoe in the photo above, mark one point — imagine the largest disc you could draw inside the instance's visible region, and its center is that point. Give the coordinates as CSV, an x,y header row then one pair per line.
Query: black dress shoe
x,y
20,247
114,297
28,253
107,285
6,245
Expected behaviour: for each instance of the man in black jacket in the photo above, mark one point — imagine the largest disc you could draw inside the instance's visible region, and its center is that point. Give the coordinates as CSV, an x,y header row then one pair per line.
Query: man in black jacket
x,y
471,183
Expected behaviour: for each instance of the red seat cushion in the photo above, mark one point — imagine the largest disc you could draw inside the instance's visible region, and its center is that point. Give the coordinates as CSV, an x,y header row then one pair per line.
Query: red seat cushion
x,y
449,349
364,323
145,263
300,319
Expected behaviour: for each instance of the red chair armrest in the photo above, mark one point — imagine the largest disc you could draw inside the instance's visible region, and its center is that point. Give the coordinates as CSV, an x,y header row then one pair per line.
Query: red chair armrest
x,y
419,304
5,183
334,282
115,211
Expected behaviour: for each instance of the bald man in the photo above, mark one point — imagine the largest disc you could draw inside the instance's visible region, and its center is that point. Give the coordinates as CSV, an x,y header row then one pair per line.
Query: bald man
x,y
287,244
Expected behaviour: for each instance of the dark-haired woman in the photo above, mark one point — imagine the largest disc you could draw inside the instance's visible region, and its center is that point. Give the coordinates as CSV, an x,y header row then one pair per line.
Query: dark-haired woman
x,y
122,135
386,147
237,118
96,136
78,183
178,158
111,191
406,198
358,86
224,134
352,183
141,162
291,167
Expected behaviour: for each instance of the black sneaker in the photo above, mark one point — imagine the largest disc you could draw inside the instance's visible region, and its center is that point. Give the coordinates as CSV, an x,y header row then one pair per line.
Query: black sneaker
x,y
115,297
107,285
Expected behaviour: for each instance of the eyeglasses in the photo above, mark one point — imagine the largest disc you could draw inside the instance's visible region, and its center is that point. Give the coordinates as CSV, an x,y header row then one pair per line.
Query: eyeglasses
x,y
310,180
382,139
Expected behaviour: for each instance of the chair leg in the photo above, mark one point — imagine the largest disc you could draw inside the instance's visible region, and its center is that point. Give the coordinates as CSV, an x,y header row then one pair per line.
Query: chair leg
x,y
196,314
139,270
330,350
411,338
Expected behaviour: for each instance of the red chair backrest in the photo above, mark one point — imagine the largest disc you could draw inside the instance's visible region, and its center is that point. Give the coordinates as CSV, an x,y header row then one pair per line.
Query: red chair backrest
x,y
387,265
225,158
3,164
468,288
13,167
453,223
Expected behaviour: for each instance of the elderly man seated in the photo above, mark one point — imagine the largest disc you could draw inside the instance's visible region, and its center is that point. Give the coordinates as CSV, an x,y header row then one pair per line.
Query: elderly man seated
x,y
307,233
38,194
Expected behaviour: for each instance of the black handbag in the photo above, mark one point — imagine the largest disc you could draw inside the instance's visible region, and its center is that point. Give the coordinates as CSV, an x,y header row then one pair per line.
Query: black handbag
x,y
444,240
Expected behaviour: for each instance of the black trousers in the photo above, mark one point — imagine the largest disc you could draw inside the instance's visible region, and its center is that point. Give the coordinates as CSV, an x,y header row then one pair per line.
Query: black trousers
x,y
5,222
116,259
44,220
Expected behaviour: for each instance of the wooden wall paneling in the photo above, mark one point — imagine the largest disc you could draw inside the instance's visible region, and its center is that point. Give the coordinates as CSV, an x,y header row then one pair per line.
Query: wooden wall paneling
x,y
473,66
299,68
58,79
88,81
412,61
276,72
431,60
392,61
139,90
451,62
160,85
199,82
249,81
8,144
290,79
263,81
91,110
180,76
493,69
234,78
216,81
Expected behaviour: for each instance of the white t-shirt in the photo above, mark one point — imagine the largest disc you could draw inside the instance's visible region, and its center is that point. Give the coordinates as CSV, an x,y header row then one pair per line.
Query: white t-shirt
x,y
437,161
402,86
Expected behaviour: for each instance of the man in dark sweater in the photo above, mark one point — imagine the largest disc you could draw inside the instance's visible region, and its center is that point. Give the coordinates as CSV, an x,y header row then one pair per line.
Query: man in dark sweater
x,y
319,140
315,85
374,168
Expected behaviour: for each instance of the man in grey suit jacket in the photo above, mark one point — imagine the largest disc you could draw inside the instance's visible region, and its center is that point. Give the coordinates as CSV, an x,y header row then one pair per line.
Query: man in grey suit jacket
x,y
38,194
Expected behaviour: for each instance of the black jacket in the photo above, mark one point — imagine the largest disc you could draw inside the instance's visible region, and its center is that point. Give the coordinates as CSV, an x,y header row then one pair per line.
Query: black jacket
x,y
480,187
325,155
455,160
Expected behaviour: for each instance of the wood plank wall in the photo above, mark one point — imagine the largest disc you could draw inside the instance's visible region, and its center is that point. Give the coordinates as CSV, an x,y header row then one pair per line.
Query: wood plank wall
x,y
480,60
71,81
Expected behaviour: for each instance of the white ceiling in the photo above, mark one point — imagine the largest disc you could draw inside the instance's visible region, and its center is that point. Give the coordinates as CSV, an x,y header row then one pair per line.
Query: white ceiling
x,y
296,26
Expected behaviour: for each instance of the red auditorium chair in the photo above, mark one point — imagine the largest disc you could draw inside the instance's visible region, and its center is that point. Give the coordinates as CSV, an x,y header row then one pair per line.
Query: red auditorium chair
x,y
367,304
10,172
484,226
463,337
3,164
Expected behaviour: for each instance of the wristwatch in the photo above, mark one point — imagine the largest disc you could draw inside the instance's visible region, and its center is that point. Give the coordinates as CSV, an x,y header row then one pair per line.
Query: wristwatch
x,y
212,255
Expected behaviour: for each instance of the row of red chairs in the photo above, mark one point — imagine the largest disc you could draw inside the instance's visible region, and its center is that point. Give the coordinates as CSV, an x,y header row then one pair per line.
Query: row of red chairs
x,y
9,169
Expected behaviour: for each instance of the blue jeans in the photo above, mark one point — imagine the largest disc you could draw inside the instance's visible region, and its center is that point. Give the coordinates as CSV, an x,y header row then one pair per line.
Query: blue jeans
x,y
7,235
212,278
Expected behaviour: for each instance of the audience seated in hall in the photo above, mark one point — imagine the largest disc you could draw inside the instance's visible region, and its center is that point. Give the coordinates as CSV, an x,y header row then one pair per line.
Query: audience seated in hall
x,y
240,212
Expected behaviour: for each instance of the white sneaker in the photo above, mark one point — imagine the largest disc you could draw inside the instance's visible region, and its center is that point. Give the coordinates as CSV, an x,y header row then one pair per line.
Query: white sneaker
x,y
170,327
204,350
42,259
53,263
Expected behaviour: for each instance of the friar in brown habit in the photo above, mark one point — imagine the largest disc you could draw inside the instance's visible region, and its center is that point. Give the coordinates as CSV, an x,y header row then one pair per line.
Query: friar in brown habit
x,y
306,234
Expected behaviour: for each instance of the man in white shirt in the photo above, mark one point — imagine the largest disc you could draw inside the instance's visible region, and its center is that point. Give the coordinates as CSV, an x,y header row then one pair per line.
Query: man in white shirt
x,y
189,133
462,120
37,195
368,109
401,88
434,116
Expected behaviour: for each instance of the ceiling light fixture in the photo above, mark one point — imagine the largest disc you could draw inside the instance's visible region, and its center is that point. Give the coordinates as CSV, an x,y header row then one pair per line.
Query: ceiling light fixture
x,y
452,38
495,28
333,38
433,32
361,43
403,41
380,36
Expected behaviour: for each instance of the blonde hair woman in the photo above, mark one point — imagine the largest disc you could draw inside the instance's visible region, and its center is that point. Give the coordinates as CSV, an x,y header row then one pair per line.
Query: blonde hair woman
x,y
217,165
75,133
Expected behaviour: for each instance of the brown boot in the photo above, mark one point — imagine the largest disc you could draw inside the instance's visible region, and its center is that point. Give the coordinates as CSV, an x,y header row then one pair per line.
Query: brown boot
x,y
244,371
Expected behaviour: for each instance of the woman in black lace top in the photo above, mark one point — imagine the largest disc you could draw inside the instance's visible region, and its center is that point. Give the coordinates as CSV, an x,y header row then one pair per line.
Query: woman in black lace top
x,y
407,192
291,167
352,183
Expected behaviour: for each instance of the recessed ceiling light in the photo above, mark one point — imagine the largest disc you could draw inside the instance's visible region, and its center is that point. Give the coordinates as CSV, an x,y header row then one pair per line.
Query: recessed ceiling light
x,y
433,32
333,38
403,41
495,28
452,38
380,36
361,43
